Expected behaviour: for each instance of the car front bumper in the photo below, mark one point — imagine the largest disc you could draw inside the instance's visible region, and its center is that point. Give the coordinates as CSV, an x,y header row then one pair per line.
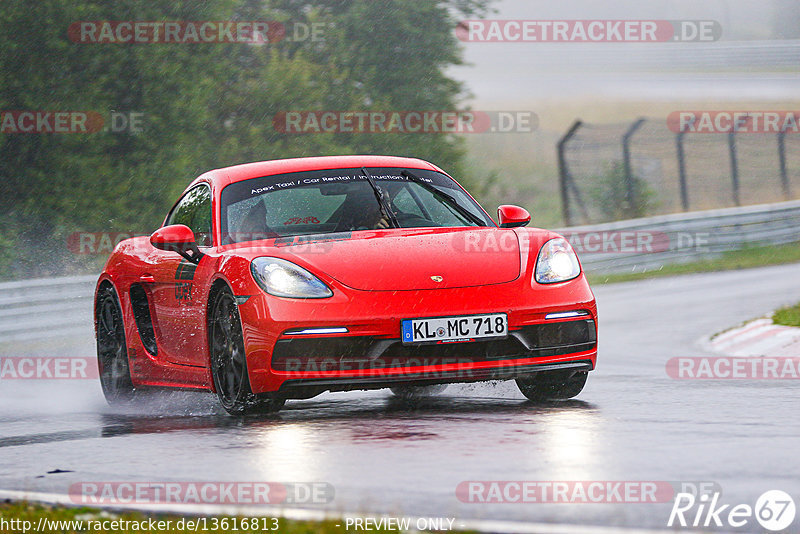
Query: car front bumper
x,y
370,353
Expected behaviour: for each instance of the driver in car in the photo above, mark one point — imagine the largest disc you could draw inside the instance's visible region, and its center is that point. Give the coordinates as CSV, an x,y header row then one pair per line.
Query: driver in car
x,y
371,216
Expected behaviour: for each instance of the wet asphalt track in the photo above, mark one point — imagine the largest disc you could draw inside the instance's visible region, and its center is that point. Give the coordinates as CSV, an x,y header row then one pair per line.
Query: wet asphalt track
x,y
632,422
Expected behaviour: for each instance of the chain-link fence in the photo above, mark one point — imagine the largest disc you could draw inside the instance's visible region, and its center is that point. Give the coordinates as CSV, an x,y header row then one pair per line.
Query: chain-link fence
x,y
627,170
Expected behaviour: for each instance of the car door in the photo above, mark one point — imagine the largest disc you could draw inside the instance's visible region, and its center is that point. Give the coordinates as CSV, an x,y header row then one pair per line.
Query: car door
x,y
177,290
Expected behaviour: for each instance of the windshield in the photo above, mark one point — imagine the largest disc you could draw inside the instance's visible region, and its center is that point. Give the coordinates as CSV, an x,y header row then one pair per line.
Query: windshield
x,y
342,200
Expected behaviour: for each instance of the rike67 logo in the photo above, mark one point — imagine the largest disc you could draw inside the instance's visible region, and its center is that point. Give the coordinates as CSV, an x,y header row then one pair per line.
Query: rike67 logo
x,y
774,510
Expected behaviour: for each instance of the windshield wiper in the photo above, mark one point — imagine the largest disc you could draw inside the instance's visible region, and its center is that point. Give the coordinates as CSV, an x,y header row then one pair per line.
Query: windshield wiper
x,y
447,196
380,196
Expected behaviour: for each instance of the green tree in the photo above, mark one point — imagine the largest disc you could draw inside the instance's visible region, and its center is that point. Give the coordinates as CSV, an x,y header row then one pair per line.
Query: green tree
x,y
202,105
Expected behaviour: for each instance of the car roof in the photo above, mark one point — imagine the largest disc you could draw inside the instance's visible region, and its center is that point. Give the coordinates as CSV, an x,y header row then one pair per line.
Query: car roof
x,y
227,175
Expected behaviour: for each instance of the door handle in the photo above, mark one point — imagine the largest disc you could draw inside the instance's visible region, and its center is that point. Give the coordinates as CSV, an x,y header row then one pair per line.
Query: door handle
x,y
147,279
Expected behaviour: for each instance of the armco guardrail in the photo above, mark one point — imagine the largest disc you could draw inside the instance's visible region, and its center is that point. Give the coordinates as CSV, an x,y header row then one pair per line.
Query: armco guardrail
x,y
686,237
61,307
45,308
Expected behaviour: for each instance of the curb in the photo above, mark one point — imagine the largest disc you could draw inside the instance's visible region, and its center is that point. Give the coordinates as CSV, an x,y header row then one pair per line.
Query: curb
x,y
757,338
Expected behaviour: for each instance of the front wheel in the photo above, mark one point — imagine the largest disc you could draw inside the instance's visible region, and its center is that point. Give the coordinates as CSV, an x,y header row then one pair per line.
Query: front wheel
x,y
553,385
112,352
229,363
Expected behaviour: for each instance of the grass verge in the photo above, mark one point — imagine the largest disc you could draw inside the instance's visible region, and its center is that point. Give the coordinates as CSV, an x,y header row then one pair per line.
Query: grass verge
x,y
788,316
745,258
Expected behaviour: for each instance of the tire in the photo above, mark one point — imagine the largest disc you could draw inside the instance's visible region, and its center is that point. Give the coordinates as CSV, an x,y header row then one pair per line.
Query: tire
x,y
229,362
112,351
553,385
417,392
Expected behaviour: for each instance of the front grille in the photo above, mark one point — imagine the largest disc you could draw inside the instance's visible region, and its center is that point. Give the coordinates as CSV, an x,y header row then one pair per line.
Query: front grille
x,y
354,353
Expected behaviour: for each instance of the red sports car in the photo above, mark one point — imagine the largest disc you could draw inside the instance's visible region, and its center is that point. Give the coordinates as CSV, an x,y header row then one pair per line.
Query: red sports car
x,y
284,279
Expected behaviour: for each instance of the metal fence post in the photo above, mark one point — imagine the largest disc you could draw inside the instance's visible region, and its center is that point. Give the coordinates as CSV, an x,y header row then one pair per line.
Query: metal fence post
x,y
630,194
563,171
787,191
734,167
682,170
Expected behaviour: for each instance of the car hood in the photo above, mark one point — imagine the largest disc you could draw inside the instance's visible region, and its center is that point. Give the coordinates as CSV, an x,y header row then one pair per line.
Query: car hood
x,y
414,259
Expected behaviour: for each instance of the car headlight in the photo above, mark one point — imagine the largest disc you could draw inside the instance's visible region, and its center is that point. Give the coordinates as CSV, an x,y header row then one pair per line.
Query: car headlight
x,y
557,262
283,278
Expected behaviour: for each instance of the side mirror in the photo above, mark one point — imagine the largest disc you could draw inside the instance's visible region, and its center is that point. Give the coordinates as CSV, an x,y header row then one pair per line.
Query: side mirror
x,y
512,216
177,238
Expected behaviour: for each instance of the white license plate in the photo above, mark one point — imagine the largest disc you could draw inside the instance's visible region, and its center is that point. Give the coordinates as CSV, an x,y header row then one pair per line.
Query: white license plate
x,y
453,329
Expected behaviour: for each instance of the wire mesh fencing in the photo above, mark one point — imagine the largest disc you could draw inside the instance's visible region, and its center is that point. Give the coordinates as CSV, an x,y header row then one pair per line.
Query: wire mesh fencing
x,y
649,167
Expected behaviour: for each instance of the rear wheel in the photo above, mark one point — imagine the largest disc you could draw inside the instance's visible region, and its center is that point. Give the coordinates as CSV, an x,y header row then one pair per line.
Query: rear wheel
x,y
229,362
112,352
553,385
418,392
